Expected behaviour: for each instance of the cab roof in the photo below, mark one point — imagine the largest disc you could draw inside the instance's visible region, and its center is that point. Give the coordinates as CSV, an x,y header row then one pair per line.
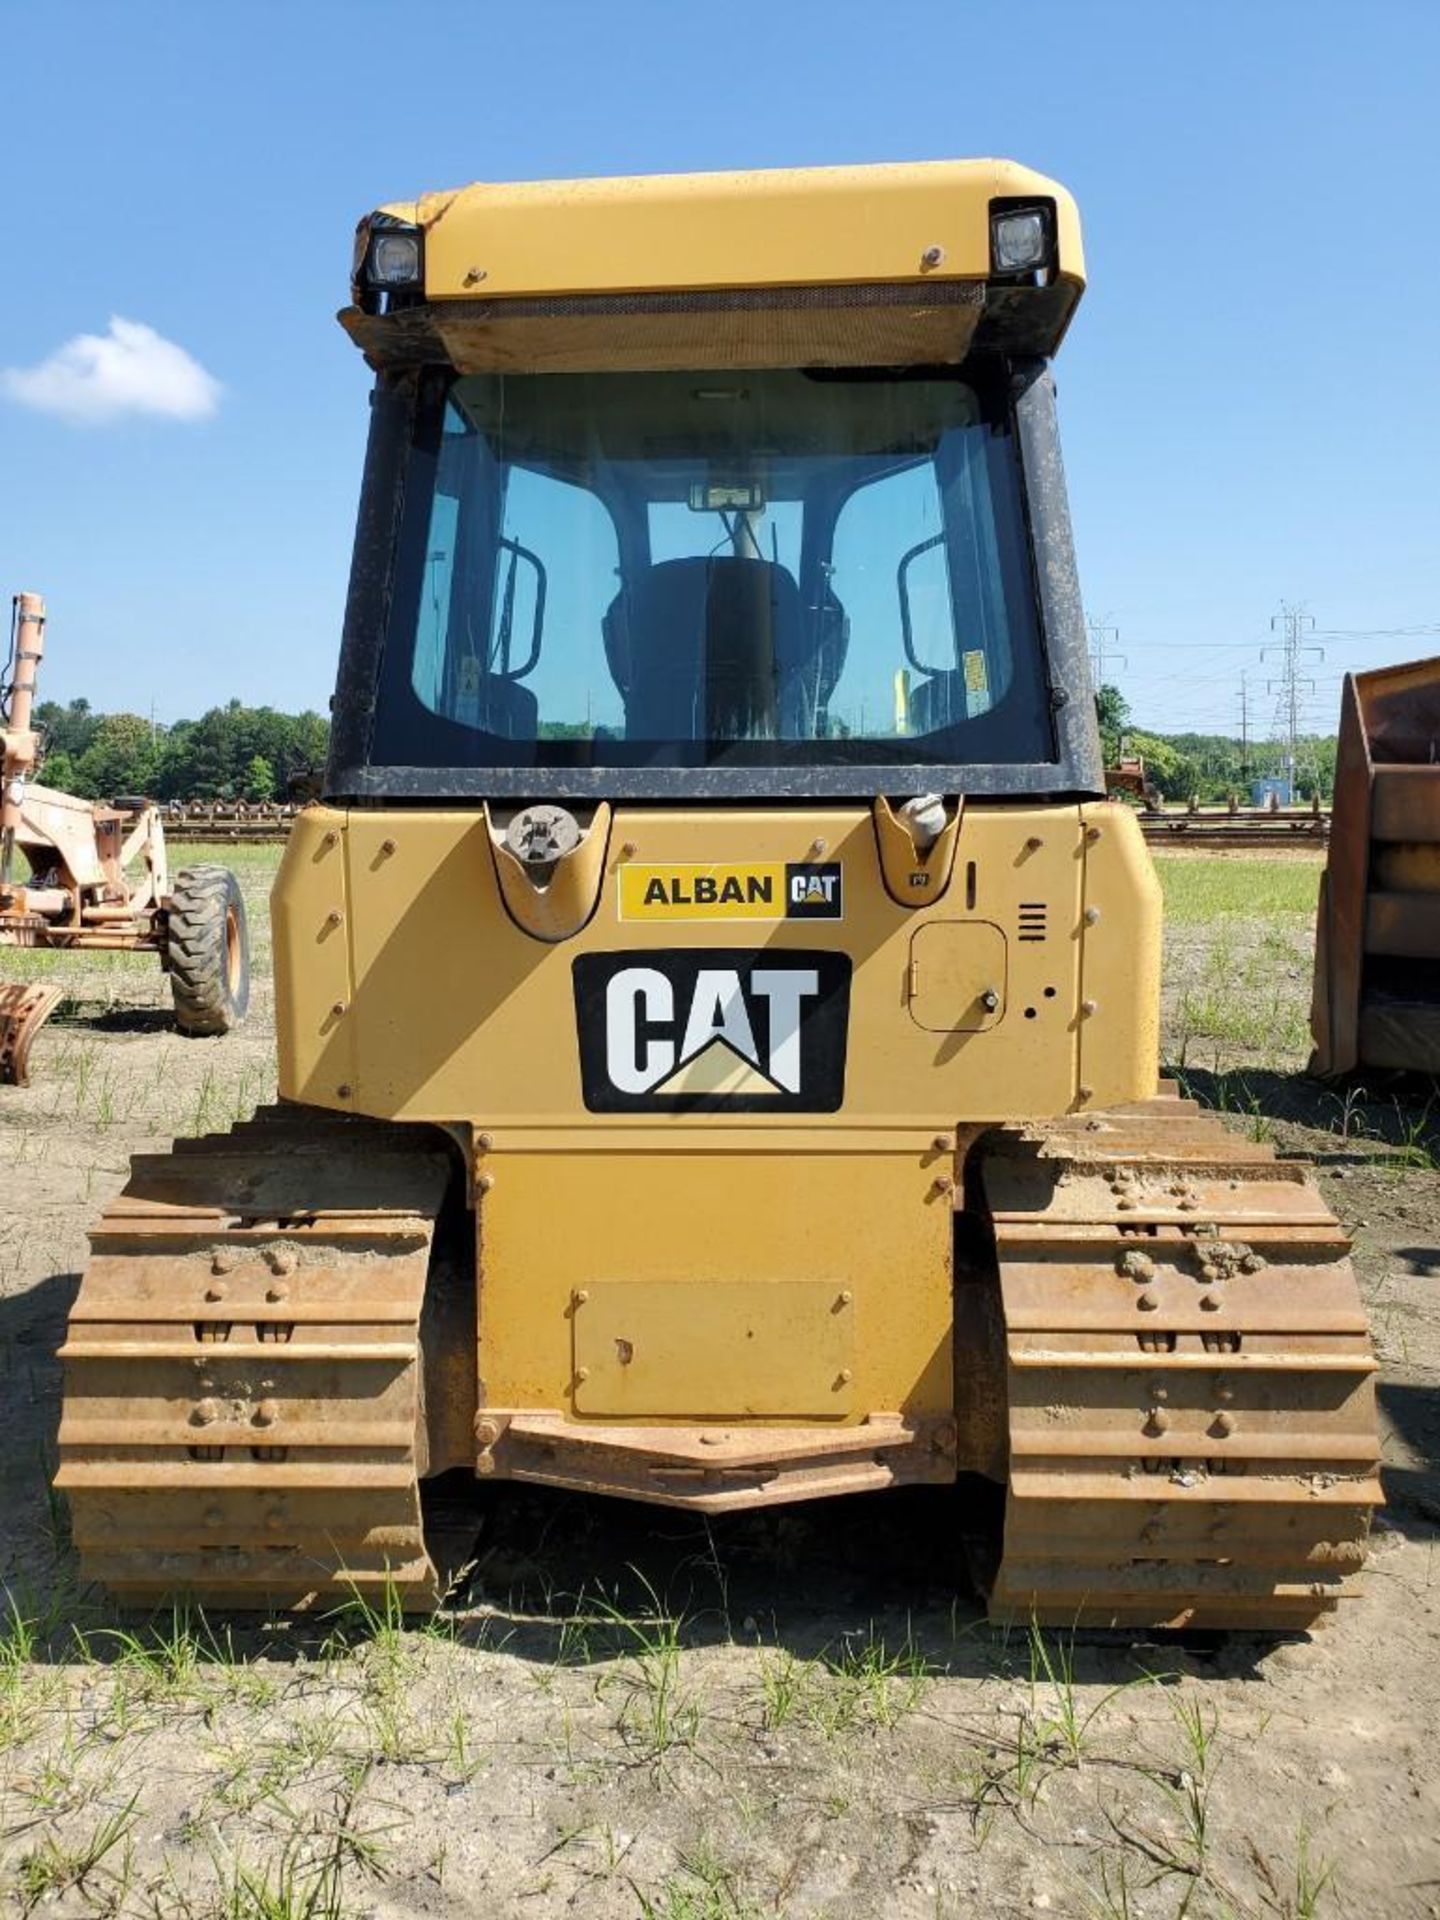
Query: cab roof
x,y
835,266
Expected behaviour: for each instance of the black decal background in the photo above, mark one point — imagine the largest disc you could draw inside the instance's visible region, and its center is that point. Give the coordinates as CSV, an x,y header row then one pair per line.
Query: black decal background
x,y
824,1023
831,903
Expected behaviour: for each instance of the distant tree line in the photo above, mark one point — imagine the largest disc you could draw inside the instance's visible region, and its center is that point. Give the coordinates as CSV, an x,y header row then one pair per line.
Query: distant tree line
x,y
237,752
1210,766
232,752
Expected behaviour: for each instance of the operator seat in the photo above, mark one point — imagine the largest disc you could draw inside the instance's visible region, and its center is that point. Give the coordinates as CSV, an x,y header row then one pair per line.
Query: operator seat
x,y
709,649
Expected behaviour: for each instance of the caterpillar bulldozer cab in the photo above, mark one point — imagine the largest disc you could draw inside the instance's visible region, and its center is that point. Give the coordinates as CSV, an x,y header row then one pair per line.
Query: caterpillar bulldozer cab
x,y
717,1007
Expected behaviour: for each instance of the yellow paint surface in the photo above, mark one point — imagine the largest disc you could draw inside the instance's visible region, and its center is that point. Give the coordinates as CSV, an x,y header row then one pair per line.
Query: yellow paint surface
x,y
748,891
1118,1020
682,1228
405,989
719,1348
453,1012
954,966
802,226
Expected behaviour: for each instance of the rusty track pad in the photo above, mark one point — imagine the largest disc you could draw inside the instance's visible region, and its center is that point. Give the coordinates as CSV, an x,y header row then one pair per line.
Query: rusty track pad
x,y
242,1407
25,1006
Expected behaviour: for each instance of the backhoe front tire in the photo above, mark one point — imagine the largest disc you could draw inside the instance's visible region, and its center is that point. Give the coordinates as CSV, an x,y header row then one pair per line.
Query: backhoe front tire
x,y
208,951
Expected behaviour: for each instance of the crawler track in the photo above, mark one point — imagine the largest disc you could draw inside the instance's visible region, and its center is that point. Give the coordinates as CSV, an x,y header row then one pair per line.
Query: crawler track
x,y
243,1413
1191,1403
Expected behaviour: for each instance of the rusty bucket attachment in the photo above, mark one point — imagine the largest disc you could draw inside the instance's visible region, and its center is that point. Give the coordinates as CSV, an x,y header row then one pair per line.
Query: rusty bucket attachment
x,y
25,1006
1377,942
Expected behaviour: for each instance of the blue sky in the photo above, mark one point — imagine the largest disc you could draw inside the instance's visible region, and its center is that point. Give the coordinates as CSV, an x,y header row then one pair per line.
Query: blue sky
x,y
1249,395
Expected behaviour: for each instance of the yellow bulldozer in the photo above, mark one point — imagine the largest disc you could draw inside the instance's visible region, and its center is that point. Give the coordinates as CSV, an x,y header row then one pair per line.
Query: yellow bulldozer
x,y
718,1008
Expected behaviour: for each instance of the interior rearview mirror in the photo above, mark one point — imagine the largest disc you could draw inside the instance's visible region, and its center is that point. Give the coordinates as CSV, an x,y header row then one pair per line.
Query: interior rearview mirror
x,y
726,497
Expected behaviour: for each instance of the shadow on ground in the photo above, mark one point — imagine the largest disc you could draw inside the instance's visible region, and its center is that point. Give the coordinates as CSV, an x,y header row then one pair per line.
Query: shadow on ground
x,y
1398,1111
551,1576
86,1016
1412,1486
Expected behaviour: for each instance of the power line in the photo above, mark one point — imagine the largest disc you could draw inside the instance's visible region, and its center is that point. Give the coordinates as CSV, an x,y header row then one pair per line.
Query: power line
x,y
1377,633
1321,633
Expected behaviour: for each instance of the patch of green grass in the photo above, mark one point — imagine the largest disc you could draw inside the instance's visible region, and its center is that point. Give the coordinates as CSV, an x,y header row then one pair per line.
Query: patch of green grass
x,y
293,1888
701,1890
1242,988
1116,1892
657,1711
169,1658
31,1636
54,1867
786,1684
872,1681
1057,1707
865,1681
463,1760
1198,887
303,1879
1314,1878
249,861
1189,1789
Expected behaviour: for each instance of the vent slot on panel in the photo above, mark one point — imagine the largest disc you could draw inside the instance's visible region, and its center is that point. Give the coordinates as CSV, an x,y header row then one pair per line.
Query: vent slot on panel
x,y
1033,916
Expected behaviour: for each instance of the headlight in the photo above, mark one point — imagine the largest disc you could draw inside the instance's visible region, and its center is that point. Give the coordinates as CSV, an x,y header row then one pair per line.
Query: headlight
x,y
394,260
1020,240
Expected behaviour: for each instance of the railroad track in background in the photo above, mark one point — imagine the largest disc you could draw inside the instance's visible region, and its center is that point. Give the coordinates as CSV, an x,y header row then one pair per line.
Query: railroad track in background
x,y
1259,828
228,823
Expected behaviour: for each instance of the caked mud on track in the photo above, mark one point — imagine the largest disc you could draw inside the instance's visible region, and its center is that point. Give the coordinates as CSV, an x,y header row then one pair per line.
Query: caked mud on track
x,y
1190,1378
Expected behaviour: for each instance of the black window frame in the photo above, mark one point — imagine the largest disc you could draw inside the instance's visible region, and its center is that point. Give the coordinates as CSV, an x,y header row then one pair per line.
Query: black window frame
x,y
1077,771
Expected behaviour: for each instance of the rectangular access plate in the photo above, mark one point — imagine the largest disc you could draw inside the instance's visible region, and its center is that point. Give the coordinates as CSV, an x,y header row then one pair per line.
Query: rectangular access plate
x,y
724,1349
954,965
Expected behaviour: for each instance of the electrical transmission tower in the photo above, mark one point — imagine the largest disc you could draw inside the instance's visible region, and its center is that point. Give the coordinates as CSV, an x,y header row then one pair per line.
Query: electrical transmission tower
x,y
1293,623
1244,728
1103,640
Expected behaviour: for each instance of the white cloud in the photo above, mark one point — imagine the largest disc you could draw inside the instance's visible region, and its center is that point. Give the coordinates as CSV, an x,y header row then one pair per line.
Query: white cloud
x,y
99,377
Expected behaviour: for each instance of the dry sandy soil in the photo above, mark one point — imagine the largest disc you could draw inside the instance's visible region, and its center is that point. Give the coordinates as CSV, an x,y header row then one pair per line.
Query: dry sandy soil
x,y
626,1713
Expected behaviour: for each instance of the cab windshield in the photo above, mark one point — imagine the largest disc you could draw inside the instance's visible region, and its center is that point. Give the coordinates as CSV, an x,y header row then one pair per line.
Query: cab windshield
x,y
782,568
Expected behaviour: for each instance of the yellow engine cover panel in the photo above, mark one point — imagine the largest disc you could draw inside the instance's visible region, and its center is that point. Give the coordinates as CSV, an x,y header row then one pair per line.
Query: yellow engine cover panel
x,y
406,989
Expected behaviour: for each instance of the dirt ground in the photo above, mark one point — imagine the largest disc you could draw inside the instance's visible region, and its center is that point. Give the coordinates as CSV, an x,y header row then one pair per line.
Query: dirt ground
x,y
629,1713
